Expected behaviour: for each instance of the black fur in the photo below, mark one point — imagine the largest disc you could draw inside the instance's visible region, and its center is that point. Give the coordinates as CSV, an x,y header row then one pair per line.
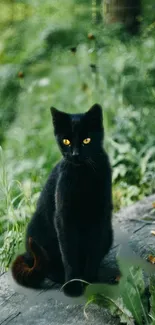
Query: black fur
x,y
72,222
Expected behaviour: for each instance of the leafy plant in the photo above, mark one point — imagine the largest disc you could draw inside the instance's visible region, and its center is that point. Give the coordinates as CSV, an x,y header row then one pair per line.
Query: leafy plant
x,y
128,299
152,299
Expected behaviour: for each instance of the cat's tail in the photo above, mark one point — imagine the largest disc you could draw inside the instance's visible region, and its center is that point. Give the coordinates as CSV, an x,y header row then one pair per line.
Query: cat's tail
x,y
30,270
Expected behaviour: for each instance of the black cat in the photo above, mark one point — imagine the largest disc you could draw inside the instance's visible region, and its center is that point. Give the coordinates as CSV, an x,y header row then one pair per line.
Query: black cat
x,y
71,230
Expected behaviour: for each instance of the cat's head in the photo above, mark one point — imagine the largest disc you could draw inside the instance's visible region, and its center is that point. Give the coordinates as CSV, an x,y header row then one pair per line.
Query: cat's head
x,y
79,136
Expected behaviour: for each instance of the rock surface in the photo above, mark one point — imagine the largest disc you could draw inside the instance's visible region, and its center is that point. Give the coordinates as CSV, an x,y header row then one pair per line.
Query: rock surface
x,y
50,307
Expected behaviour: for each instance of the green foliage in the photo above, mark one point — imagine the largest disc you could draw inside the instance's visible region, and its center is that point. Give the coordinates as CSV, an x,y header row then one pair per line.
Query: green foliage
x,y
133,294
152,299
127,300
116,307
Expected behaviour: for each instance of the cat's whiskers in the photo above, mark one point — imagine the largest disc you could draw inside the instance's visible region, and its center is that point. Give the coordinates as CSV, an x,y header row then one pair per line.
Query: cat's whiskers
x,y
91,163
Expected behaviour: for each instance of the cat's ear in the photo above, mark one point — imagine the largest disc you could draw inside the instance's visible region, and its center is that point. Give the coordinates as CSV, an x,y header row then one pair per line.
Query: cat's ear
x,y
96,111
60,119
55,114
94,117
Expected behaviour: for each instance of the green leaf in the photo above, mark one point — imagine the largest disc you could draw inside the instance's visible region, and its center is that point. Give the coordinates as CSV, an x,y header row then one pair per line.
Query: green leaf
x,y
115,307
121,147
153,322
124,314
118,308
144,161
132,292
137,279
152,298
131,302
132,288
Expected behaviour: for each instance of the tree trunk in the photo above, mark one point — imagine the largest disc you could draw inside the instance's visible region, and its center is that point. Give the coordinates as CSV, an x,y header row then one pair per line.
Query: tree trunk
x,y
123,11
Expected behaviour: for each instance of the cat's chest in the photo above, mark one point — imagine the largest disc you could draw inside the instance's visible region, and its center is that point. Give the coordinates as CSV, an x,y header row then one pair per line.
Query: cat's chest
x,y
82,186
79,195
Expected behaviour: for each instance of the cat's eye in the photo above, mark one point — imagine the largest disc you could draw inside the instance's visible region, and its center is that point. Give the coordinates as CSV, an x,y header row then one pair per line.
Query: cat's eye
x,y
86,141
66,142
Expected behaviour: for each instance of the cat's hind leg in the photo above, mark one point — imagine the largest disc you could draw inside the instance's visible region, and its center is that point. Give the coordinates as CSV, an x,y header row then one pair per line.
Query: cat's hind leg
x,y
56,271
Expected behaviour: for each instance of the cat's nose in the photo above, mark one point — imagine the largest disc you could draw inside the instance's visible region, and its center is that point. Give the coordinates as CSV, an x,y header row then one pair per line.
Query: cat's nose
x,y
75,153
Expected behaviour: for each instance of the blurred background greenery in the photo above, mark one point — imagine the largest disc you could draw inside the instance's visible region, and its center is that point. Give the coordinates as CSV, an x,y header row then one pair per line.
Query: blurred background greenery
x,y
71,54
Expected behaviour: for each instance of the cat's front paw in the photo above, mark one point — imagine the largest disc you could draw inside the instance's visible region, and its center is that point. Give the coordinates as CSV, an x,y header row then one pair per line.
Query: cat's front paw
x,y
73,289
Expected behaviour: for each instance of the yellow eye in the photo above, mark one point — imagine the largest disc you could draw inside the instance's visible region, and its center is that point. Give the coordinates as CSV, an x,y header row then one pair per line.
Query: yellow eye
x,y
66,142
86,141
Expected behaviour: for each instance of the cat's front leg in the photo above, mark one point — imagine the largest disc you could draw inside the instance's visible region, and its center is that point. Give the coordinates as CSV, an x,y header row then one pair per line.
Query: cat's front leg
x,y
99,241
68,243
